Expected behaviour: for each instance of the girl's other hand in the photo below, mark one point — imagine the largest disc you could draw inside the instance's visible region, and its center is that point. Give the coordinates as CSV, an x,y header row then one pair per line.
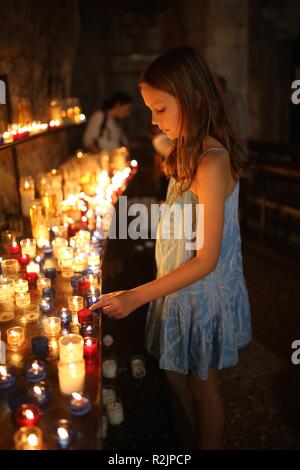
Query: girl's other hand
x,y
117,304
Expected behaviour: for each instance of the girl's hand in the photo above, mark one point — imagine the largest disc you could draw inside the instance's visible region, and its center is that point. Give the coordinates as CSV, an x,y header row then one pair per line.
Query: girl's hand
x,y
117,304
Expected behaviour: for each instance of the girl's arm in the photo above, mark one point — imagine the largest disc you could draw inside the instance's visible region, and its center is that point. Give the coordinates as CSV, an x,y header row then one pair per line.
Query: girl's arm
x,y
210,185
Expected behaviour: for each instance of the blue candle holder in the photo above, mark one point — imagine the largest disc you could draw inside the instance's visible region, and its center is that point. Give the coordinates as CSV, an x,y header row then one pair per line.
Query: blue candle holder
x,y
65,434
74,281
88,329
51,273
1,139
80,404
46,305
40,345
65,316
39,394
35,371
7,378
87,271
49,292
91,299
47,250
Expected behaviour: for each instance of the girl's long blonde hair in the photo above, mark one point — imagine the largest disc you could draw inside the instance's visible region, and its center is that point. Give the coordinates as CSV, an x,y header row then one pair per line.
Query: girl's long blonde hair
x,y
183,73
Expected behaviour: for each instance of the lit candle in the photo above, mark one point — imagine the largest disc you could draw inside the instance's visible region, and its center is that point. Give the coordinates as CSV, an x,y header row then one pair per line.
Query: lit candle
x,y
75,303
43,282
6,288
49,292
110,368
70,348
47,249
28,247
71,376
65,316
85,315
36,371
79,263
57,243
52,326
15,249
93,259
115,412
46,305
82,287
65,433
24,260
33,267
28,438
27,415
31,278
27,194
80,404
15,337
7,378
90,347
21,286
22,299
88,329
39,393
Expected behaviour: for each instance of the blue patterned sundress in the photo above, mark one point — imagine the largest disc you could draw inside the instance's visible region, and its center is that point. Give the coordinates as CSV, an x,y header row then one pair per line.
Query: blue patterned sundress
x,y
204,324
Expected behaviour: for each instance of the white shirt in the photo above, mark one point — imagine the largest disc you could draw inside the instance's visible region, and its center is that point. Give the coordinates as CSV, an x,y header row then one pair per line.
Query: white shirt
x,y
112,136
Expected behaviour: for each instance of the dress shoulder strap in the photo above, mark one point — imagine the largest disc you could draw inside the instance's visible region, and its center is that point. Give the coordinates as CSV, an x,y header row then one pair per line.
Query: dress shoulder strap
x,y
211,148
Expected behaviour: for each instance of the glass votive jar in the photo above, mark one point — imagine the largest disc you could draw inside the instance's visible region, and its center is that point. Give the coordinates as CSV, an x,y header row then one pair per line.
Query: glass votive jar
x,y
138,369
10,267
33,267
71,376
40,345
52,326
79,263
115,412
90,347
57,243
15,337
21,286
46,305
39,394
83,235
110,367
47,249
65,434
7,312
65,316
80,404
75,303
51,273
22,299
75,279
108,395
24,260
7,378
28,438
27,415
70,348
28,247
49,292
7,289
93,259
32,313
14,249
82,287
31,278
84,315
8,237
88,329
35,371
43,282
93,281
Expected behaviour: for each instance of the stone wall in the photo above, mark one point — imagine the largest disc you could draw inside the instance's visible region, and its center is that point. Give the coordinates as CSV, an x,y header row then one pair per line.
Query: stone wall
x,y
37,45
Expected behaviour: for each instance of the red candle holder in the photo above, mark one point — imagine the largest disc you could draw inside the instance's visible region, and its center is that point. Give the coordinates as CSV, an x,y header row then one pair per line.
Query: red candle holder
x,y
90,347
82,287
27,415
24,260
15,249
85,315
31,278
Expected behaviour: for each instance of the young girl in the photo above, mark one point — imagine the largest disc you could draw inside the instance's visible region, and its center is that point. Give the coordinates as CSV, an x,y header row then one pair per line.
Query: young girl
x,y
199,314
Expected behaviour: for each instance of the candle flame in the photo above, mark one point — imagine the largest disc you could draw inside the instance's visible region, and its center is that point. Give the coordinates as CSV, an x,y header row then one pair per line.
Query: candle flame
x,y
29,414
35,366
37,390
89,342
3,372
14,333
63,433
32,440
26,185
76,395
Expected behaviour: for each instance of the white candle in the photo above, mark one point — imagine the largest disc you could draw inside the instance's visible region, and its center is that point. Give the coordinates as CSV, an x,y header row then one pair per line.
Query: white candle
x,y
27,195
33,267
108,395
71,376
28,246
21,286
109,368
115,412
52,326
71,348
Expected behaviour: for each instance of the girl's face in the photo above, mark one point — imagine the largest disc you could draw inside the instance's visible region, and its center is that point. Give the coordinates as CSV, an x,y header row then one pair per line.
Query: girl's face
x,y
165,110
